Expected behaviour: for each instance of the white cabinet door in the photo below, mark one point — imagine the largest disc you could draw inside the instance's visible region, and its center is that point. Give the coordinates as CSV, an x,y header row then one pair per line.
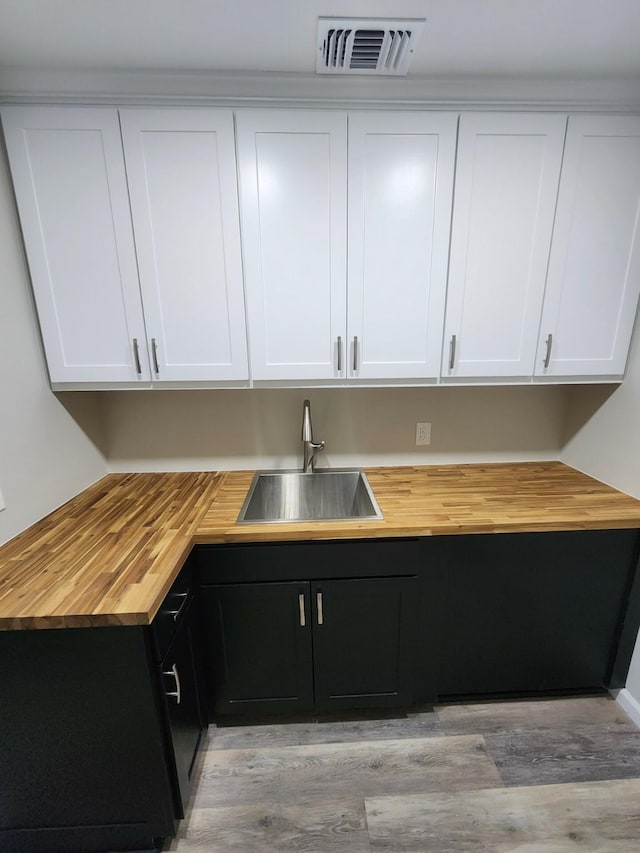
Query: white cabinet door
x,y
506,187
400,192
594,268
71,189
181,169
293,178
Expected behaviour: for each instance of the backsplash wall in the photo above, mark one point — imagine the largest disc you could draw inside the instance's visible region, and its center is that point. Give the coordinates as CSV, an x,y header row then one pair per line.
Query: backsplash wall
x,y
221,430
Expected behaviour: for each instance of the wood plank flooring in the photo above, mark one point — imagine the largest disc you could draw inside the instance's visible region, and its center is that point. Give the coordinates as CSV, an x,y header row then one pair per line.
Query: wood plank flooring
x,y
548,776
600,816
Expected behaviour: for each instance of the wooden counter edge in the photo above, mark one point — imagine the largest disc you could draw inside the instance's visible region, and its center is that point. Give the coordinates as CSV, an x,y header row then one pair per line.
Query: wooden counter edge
x,y
280,533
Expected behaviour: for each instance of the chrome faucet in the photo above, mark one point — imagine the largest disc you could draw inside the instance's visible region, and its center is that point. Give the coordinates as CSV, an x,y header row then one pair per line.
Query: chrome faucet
x,y
311,447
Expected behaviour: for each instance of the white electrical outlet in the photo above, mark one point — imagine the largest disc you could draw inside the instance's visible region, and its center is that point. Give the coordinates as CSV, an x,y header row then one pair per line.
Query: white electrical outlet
x,y
423,433
2,503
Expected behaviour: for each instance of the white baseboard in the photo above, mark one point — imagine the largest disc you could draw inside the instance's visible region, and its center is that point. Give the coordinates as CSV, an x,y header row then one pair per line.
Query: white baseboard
x,y
628,704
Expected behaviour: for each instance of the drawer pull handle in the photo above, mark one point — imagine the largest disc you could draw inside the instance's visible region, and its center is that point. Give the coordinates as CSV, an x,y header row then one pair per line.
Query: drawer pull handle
x,y
549,343
136,355
320,611
173,672
303,620
176,613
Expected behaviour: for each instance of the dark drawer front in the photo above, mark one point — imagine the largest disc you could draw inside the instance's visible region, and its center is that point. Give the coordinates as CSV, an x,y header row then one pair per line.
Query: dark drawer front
x,y
307,560
172,610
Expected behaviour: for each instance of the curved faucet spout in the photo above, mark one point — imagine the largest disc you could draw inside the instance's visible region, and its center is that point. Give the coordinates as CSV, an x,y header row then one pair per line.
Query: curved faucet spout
x,y
311,448
307,429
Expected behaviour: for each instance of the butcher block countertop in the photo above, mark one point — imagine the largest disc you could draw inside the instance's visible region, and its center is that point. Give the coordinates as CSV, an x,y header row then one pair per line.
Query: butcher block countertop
x,y
109,556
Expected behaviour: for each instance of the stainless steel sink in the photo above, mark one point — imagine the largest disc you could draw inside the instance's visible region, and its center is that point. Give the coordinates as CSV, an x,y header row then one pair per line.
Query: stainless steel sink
x,y
330,495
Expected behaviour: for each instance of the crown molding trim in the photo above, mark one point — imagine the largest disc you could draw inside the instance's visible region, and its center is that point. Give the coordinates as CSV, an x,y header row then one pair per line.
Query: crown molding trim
x,y
29,85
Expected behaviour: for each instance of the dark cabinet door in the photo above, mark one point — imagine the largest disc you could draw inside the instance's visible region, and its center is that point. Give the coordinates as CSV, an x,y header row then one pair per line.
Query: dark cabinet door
x,y
364,642
258,647
183,682
529,612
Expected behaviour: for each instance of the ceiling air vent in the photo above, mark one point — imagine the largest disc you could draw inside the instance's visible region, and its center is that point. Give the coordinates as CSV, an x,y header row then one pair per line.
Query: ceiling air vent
x,y
365,45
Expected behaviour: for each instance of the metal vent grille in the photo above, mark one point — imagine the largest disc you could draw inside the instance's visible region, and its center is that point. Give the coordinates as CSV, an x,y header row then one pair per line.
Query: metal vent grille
x,y
365,46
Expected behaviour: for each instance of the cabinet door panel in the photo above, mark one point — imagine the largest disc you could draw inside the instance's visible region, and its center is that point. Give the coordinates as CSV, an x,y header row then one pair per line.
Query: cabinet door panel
x,y
594,268
529,612
506,186
400,193
71,190
182,182
363,642
293,205
259,652
182,675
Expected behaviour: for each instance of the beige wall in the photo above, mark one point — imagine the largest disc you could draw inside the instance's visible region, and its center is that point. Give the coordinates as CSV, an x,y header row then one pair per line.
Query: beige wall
x,y
204,430
603,439
50,447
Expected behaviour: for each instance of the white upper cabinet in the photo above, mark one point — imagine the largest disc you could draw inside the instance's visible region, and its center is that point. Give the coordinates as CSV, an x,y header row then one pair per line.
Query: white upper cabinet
x,y
361,261
594,269
71,189
76,204
506,187
293,172
308,319
400,191
181,171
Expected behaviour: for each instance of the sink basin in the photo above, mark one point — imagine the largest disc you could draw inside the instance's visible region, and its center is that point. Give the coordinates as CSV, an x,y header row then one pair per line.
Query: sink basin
x,y
329,495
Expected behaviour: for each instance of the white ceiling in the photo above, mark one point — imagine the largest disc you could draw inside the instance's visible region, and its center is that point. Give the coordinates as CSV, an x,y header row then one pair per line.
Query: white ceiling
x,y
557,38
462,37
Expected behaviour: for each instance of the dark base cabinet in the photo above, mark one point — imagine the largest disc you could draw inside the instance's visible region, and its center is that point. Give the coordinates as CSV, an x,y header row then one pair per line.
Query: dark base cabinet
x,y
96,751
82,743
326,640
100,727
531,612
329,625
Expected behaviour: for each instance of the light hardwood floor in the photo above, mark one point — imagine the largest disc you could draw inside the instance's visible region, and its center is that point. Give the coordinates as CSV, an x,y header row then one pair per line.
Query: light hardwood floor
x,y
547,776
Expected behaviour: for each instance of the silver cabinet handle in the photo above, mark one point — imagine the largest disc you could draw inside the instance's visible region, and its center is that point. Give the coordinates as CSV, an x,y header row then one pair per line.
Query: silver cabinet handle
x,y
355,353
177,693
154,351
549,343
303,621
452,352
339,354
136,356
176,613
319,606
